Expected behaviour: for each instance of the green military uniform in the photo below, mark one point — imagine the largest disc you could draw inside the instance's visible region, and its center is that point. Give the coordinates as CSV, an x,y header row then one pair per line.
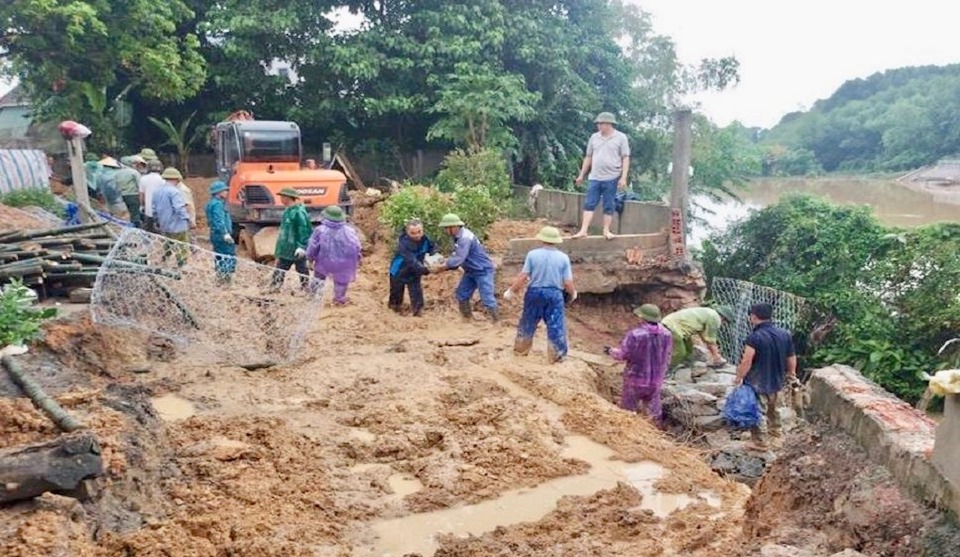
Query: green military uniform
x,y
295,231
686,323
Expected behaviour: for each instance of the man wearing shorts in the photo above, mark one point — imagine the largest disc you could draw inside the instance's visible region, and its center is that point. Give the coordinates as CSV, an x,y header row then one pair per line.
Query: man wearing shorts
x,y
608,160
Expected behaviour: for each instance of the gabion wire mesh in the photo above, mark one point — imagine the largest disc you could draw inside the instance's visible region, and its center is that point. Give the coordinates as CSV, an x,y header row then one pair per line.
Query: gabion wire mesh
x,y
188,294
789,311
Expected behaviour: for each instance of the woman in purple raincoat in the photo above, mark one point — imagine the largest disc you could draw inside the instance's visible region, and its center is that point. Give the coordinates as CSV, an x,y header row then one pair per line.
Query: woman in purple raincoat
x,y
646,349
334,249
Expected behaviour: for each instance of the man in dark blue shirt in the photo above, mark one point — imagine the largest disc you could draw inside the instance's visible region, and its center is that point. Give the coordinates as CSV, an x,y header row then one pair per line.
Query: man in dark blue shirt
x,y
768,360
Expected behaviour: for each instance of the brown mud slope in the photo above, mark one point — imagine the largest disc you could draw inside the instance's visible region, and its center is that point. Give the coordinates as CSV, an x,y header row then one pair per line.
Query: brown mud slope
x,y
386,431
823,495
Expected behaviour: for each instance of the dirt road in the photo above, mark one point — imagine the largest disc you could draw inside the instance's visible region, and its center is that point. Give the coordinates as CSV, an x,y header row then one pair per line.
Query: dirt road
x,y
387,431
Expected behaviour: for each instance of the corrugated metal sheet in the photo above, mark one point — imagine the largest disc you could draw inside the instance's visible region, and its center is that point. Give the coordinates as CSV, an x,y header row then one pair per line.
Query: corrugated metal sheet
x,y
23,168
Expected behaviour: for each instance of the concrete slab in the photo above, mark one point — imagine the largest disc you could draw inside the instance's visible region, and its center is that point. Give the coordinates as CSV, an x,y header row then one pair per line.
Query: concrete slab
x,y
595,244
946,449
892,432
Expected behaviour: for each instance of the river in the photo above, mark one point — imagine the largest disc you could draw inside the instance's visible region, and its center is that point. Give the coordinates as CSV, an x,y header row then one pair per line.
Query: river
x,y
893,203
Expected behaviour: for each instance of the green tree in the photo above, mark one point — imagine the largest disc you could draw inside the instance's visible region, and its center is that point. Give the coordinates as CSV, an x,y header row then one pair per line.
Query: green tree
x,y
181,137
77,58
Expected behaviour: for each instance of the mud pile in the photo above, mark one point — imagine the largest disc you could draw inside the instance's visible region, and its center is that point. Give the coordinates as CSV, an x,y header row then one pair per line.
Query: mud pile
x,y
387,431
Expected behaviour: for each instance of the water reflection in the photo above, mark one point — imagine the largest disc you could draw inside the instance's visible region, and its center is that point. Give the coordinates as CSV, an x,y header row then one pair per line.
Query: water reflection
x,y
893,203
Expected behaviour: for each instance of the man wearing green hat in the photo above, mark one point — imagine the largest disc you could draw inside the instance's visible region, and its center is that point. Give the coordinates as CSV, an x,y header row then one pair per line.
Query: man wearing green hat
x,y
608,160
335,251
646,349
172,217
291,250
221,233
547,274
128,184
698,321
478,268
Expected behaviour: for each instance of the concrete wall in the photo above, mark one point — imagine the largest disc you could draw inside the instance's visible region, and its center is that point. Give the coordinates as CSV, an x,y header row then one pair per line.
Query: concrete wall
x,y
566,207
892,432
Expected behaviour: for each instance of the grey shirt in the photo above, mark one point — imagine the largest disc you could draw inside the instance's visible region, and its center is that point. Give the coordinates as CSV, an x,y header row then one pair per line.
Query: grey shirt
x,y
606,154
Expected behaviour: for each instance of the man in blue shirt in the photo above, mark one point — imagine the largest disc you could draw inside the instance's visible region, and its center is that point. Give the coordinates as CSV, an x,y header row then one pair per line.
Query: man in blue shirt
x,y
768,360
548,274
172,217
477,266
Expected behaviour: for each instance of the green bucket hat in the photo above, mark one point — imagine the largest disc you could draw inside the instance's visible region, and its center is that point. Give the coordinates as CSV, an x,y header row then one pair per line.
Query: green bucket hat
x,y
550,235
648,312
290,192
171,173
726,312
149,154
217,187
333,213
605,118
450,219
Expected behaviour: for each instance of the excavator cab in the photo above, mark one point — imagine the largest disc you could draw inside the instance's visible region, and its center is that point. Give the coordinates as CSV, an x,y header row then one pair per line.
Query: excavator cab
x,y
257,159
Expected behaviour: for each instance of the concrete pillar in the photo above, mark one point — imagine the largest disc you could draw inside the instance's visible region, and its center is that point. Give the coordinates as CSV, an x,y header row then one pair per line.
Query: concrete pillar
x,y
946,447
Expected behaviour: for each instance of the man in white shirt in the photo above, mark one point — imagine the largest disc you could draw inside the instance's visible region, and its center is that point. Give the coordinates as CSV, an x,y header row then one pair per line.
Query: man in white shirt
x,y
149,184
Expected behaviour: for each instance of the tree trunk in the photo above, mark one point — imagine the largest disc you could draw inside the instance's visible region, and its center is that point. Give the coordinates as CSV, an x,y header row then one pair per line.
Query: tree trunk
x,y
59,466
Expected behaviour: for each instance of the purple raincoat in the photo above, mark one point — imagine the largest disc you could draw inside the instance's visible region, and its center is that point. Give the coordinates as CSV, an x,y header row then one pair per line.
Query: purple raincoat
x,y
647,349
334,249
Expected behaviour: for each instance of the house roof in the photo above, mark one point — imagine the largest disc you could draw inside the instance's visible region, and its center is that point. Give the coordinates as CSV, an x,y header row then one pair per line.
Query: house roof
x,y
16,97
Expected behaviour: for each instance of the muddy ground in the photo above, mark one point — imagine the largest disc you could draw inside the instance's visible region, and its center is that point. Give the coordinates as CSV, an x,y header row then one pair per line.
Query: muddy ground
x,y
390,429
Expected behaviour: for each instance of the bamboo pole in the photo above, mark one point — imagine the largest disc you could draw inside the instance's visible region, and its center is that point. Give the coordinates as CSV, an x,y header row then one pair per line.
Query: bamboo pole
x,y
50,407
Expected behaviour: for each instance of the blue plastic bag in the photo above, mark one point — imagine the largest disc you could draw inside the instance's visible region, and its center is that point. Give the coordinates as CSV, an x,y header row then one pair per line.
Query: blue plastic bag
x,y
742,409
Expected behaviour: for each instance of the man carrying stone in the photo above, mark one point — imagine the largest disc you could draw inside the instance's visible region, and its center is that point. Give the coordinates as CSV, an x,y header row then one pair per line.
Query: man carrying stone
x,y
478,268
697,321
646,349
768,361
608,160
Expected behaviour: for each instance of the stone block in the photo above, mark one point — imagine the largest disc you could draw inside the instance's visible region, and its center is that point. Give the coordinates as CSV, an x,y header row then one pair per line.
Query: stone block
x,y
709,423
683,375
717,389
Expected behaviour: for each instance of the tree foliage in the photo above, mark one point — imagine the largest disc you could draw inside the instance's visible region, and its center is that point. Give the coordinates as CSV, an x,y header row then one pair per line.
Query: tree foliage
x,y
894,120
892,293
77,57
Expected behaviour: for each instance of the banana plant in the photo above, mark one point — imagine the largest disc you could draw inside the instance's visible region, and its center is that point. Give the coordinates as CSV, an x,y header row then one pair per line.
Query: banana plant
x,y
180,137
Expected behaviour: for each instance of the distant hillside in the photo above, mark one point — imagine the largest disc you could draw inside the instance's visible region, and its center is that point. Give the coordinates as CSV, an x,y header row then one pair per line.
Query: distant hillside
x,y
895,120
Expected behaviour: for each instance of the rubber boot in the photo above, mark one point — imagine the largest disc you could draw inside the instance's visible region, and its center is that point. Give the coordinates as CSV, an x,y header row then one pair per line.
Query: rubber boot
x,y
494,315
466,311
522,346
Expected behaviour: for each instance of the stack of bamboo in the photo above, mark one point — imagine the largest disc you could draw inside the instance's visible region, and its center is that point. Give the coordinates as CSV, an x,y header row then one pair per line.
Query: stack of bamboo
x,y
67,257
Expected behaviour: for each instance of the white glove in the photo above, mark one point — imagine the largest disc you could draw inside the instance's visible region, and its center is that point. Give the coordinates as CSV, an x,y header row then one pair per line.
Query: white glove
x,y
228,238
300,253
573,297
508,294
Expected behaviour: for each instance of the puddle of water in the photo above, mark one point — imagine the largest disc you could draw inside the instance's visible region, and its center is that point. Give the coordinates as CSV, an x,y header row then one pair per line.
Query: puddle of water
x,y
415,533
404,484
172,408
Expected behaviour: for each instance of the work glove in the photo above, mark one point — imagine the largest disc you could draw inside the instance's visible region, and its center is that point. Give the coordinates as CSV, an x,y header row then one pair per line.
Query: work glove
x,y
228,238
300,253
719,363
607,349
570,298
508,294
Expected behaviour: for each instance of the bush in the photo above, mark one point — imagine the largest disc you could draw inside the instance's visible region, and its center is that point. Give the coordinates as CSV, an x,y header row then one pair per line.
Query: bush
x,y
894,294
484,169
34,197
19,319
424,203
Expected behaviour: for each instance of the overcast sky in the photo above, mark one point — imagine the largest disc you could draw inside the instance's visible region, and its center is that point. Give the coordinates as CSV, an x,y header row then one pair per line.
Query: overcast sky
x,y
793,53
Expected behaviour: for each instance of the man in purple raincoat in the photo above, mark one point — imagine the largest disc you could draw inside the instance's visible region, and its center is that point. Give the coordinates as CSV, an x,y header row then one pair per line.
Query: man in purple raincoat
x,y
647,349
334,249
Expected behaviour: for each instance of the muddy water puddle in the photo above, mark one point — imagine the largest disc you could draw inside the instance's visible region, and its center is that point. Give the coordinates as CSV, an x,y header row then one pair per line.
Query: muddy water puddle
x,y
415,533
172,407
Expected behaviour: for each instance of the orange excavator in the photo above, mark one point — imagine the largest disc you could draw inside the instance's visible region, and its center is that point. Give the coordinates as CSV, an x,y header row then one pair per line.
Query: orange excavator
x,y
257,159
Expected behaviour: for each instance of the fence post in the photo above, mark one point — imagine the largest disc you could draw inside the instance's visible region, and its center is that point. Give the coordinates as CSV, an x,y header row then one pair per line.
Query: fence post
x,y
682,122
